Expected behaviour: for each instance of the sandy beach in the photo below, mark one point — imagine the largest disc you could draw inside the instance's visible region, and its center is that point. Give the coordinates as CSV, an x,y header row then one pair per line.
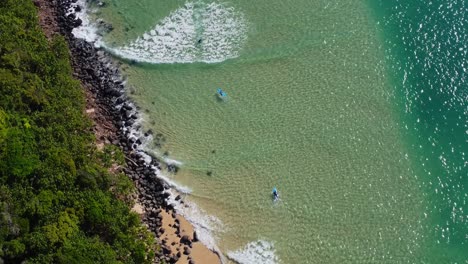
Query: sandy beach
x,y
174,233
177,235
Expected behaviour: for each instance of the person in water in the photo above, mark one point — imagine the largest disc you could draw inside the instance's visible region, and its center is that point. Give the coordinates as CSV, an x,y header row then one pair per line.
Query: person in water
x,y
275,194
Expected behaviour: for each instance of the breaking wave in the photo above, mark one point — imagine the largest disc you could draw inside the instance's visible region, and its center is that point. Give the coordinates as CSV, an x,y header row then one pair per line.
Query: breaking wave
x,y
88,30
196,32
255,252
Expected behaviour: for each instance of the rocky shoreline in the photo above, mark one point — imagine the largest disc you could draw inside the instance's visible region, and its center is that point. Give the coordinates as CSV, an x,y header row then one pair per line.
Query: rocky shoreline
x,y
114,118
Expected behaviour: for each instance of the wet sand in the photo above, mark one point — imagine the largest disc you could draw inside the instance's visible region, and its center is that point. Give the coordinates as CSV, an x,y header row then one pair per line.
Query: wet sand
x,y
177,235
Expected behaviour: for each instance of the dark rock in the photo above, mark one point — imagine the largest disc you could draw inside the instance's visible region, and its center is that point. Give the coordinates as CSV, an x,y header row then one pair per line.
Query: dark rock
x,y
191,261
173,259
128,114
187,251
195,237
71,16
159,216
148,133
112,92
177,198
166,250
127,107
92,68
119,100
159,194
77,22
172,168
184,240
130,122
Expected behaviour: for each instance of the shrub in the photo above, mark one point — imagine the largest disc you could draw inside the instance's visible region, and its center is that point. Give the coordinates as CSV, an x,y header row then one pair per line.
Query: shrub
x,y
58,201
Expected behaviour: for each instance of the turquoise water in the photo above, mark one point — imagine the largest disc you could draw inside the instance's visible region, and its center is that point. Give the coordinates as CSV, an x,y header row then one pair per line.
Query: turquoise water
x,y
426,53
346,107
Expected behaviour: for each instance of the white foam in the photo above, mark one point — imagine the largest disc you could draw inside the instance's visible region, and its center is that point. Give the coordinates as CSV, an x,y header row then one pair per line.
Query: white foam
x,y
147,158
173,162
173,184
87,30
175,39
204,224
146,147
221,29
143,149
259,251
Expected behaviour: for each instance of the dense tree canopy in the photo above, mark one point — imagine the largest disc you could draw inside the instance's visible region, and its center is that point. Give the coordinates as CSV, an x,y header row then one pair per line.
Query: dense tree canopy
x,y
55,200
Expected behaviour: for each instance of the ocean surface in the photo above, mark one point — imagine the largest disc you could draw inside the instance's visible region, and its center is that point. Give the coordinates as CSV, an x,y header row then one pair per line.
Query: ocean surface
x,y
356,110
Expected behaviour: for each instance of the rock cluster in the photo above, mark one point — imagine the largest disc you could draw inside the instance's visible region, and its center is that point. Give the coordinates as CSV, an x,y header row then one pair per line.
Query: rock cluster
x,y
102,78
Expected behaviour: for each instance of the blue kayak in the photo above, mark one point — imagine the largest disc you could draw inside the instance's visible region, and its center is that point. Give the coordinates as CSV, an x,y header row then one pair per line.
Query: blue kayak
x,y
221,93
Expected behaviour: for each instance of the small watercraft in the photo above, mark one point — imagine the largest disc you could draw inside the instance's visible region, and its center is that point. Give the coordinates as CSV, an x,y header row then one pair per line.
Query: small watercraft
x,y
275,194
222,94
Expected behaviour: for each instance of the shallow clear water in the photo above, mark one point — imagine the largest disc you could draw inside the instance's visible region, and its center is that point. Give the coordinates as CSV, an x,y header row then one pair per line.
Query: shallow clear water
x,y
319,105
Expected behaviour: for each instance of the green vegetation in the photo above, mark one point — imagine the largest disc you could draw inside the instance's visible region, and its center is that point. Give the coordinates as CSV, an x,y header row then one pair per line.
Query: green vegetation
x,y
58,201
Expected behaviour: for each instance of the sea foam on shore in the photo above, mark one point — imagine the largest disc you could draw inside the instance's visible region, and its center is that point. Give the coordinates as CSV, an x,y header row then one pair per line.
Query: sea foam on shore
x,y
87,31
205,225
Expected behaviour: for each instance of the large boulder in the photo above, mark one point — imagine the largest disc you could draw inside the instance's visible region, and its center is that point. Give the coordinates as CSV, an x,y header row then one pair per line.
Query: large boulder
x,y
185,240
